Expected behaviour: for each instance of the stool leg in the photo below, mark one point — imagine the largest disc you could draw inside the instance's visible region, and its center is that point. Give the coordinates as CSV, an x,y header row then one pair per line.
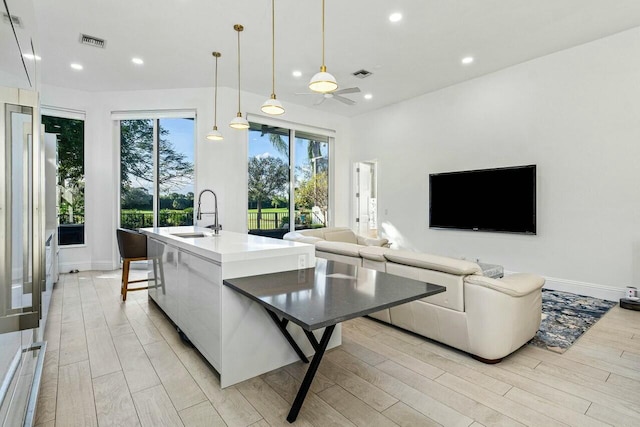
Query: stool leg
x,y
162,277
125,274
122,279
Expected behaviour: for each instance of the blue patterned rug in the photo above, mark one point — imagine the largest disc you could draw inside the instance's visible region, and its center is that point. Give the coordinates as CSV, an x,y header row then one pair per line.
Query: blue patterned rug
x,y
565,317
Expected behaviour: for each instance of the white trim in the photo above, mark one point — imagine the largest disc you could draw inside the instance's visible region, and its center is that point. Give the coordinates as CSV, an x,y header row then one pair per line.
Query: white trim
x,y
154,114
105,265
270,121
66,267
65,113
595,290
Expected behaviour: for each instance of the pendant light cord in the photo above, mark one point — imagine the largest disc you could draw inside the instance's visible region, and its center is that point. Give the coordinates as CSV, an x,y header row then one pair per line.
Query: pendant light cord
x,y
323,33
215,98
238,30
273,47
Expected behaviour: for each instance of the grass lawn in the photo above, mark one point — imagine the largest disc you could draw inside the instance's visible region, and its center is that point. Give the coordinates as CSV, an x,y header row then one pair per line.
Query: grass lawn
x,y
271,210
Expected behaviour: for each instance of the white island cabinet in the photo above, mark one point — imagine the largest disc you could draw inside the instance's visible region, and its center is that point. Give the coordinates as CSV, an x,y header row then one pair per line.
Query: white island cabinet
x,y
234,334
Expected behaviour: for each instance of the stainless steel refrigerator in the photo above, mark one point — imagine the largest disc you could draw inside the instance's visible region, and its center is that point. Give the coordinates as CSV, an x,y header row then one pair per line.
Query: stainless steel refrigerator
x,y
22,255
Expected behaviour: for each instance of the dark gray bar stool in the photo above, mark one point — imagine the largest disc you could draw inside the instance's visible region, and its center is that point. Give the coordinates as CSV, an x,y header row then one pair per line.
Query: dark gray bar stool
x,y
133,247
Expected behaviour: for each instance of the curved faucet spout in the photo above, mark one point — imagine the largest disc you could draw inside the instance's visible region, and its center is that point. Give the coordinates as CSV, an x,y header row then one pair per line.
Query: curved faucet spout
x,y
199,213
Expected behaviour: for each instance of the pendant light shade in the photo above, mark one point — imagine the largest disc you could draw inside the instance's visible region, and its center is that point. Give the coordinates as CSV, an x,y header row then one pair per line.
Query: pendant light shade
x,y
272,105
239,122
215,135
323,82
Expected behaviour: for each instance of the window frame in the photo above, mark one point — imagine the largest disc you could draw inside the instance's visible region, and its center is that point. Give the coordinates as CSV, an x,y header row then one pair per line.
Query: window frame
x,y
71,114
156,115
305,129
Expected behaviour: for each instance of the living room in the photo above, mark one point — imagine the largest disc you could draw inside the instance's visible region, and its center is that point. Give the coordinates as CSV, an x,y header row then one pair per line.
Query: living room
x,y
571,111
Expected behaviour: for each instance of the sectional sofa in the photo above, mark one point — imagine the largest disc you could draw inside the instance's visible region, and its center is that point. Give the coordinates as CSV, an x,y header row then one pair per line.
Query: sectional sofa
x,y
486,317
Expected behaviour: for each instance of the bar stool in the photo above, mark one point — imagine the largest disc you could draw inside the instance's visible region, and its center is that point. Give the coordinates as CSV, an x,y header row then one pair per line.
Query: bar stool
x,y
133,247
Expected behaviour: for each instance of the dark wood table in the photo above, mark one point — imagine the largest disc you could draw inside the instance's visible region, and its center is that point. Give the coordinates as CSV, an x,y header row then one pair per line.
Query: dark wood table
x,y
322,297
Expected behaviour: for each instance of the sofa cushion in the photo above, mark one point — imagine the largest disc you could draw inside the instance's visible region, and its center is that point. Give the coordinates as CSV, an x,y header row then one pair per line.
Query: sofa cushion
x,y
373,253
341,248
346,236
309,239
369,241
434,262
515,285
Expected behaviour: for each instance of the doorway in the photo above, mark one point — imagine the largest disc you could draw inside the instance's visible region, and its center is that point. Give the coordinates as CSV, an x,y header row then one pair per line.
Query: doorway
x,y
366,198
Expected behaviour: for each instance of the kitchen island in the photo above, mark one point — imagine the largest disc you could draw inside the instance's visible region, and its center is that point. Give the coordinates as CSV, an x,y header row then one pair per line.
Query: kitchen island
x,y
235,334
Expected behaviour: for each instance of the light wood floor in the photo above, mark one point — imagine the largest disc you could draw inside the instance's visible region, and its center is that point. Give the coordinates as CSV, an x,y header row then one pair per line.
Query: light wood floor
x,y
121,364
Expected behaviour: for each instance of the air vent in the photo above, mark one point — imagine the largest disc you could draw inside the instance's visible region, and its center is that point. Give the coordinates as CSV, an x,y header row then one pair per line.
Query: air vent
x,y
17,22
361,74
92,41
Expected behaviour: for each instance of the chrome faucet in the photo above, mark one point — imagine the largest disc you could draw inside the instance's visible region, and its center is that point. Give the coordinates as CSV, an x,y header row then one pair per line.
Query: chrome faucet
x,y
216,226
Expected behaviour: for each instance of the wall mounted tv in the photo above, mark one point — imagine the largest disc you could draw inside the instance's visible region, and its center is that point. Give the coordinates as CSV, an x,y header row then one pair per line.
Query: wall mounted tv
x,y
501,200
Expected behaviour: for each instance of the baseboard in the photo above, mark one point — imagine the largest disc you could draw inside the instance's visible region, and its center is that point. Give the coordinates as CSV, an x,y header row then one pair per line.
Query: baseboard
x,y
595,290
66,267
104,265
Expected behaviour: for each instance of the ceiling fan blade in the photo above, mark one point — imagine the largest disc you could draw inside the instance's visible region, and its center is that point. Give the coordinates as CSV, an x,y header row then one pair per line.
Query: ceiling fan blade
x,y
347,90
306,93
319,101
343,99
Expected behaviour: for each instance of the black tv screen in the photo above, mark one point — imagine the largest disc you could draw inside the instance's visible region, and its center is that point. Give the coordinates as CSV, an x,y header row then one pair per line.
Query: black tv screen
x,y
502,200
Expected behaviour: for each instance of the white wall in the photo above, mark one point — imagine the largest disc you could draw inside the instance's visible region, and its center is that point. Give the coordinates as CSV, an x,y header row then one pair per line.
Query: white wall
x,y
575,114
221,166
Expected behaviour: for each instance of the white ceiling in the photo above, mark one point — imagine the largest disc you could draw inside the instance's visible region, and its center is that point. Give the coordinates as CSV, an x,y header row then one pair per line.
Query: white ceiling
x,y
420,54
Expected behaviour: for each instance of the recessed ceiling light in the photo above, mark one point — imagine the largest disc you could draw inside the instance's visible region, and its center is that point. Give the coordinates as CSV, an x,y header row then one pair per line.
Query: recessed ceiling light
x,y
137,61
395,17
297,73
31,56
467,60
368,96
76,66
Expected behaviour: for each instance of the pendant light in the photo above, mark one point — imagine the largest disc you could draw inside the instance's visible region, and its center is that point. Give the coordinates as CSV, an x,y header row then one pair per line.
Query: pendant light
x,y
215,135
272,105
323,82
238,121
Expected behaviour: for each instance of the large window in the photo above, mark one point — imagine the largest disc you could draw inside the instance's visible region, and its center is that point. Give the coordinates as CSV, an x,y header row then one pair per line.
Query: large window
x,y
156,172
285,165
70,150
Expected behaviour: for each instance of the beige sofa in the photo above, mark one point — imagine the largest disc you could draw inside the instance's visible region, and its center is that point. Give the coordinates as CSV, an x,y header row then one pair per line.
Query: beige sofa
x,y
487,318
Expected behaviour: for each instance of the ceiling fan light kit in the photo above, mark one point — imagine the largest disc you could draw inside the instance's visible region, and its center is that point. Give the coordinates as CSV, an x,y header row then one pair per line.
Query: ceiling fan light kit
x,y
239,122
215,134
323,82
272,105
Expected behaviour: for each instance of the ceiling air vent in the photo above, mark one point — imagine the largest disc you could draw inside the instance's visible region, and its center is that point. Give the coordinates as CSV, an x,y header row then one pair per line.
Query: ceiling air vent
x,y
361,74
92,41
17,22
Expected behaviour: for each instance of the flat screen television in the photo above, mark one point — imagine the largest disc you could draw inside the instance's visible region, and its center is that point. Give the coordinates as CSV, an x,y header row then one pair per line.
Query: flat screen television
x,y
501,200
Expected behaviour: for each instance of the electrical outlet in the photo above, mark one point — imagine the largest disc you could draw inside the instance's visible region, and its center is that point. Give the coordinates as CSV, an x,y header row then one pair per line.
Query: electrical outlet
x,y
302,262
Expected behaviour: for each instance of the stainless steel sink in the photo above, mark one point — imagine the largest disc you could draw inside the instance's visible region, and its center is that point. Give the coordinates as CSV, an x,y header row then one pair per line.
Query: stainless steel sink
x,y
191,235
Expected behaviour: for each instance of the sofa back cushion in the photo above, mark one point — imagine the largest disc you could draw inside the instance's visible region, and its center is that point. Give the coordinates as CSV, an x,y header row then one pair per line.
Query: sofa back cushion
x,y
453,298
434,262
345,235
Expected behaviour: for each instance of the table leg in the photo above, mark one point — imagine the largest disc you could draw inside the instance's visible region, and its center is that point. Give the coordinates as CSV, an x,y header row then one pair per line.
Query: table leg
x,y
311,372
282,325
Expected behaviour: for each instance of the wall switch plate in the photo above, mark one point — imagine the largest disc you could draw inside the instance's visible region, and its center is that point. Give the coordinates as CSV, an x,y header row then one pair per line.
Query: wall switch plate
x,y
302,262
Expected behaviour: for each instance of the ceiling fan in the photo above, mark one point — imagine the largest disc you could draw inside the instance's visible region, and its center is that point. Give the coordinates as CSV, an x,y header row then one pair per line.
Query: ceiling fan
x,y
337,95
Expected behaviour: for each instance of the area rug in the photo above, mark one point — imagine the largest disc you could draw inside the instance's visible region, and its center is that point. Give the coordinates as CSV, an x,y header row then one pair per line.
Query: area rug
x,y
565,317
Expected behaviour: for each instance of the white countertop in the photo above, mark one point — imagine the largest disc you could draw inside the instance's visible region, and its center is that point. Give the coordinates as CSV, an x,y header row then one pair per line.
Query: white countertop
x,y
228,245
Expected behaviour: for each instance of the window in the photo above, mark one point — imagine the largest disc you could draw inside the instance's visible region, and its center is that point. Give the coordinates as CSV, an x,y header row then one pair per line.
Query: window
x,y
285,165
156,172
70,151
